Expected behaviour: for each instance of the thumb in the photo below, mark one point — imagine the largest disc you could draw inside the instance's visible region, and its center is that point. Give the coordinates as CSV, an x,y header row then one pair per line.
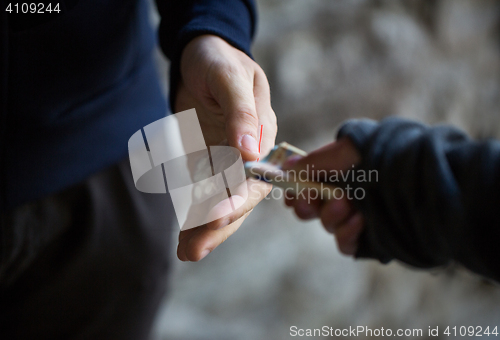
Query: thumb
x,y
237,101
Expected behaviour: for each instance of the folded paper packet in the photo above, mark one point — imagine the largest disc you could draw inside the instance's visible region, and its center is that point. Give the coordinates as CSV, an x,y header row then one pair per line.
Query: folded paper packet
x,y
270,171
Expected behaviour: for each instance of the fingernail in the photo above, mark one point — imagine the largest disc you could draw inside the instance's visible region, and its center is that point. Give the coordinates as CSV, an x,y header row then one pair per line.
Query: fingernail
x,y
249,143
204,254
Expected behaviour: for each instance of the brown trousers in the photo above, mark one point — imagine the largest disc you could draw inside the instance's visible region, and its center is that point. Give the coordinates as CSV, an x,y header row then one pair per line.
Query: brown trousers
x,y
90,262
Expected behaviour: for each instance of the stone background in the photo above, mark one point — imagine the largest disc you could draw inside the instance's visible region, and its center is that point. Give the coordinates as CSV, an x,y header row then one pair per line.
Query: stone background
x,y
436,61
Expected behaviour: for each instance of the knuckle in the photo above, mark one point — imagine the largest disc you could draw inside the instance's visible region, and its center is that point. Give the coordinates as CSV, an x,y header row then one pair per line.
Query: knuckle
x,y
246,115
246,111
222,76
227,72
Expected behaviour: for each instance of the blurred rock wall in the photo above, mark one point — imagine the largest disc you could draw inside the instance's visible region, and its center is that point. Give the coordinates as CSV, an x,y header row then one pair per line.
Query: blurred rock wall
x,y
437,61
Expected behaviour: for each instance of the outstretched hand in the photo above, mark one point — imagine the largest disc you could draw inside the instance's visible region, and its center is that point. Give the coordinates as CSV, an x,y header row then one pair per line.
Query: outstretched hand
x,y
231,95
338,216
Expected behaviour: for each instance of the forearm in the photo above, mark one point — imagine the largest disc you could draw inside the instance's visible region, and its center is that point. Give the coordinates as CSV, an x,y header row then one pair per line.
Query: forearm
x,y
435,198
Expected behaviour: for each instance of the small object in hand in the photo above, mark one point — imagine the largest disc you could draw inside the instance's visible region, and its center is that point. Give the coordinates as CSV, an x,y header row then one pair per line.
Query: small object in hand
x,y
270,170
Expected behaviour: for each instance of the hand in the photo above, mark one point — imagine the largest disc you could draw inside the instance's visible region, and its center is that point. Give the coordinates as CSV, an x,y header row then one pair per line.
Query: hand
x,y
232,99
339,217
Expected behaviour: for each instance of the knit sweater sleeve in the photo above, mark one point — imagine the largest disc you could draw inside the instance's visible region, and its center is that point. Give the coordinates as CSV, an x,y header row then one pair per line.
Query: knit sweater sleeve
x,y
437,195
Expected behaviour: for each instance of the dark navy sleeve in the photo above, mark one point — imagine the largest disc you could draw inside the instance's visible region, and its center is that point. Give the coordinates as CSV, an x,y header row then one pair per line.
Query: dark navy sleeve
x,y
437,197
183,20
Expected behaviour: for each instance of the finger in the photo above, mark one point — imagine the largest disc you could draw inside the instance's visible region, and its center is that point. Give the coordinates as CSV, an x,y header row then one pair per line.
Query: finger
x,y
256,192
347,235
233,90
334,213
289,197
307,209
267,117
199,244
184,241
184,237
187,233
339,155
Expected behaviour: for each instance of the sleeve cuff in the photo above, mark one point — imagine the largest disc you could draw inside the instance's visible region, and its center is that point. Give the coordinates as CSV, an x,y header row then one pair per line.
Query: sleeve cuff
x,y
358,131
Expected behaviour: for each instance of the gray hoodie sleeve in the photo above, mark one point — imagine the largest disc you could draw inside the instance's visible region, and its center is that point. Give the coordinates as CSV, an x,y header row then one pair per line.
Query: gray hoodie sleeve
x,y
437,198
